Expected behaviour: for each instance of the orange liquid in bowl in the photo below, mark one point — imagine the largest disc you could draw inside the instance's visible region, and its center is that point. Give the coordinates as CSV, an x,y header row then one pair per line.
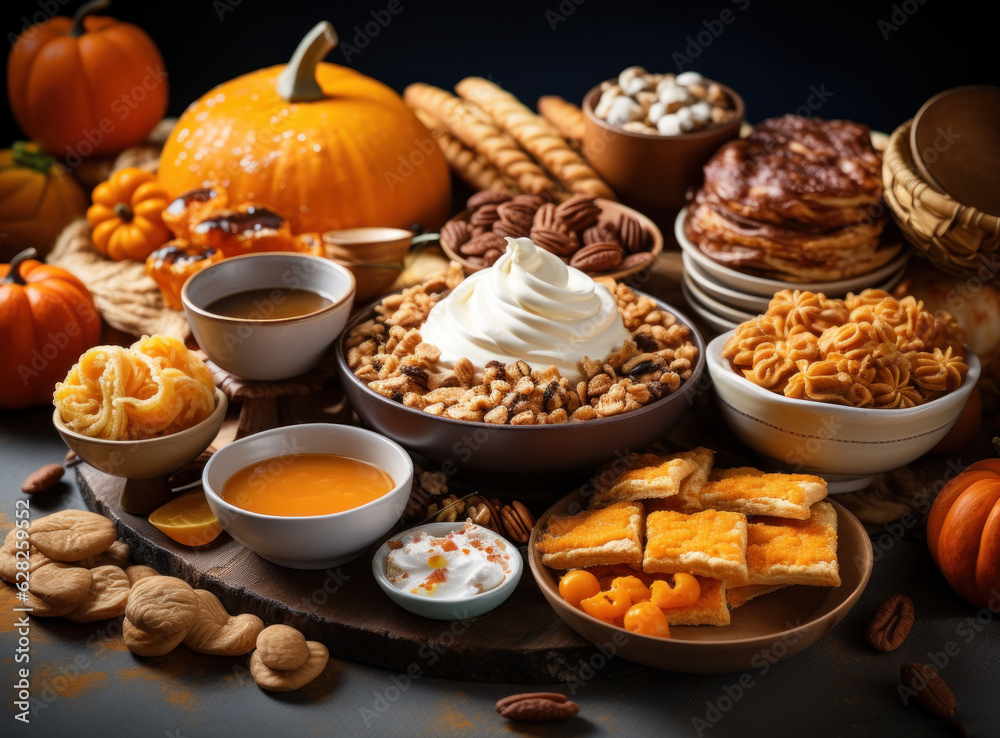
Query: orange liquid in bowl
x,y
306,484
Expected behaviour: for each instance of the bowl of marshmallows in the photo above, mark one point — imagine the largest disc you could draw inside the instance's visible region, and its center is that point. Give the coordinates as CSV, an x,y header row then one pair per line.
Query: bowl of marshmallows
x,y
648,135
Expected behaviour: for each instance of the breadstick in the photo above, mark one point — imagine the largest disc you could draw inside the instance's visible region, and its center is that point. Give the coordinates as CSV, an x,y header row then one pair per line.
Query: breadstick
x,y
470,166
539,137
566,117
476,131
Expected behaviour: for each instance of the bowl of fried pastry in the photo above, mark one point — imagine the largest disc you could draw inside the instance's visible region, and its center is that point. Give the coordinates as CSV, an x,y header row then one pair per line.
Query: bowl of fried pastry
x,y
697,569
604,367
846,388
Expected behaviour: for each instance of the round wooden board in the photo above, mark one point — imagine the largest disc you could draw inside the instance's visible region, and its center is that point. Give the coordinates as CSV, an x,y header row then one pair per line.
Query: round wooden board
x,y
521,641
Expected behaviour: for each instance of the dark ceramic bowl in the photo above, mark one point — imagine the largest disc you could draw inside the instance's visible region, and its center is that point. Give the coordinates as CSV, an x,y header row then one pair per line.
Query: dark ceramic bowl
x,y
528,449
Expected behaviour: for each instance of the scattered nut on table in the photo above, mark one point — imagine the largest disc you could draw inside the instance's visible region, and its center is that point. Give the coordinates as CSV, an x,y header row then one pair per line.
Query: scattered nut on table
x,y
43,479
217,633
537,707
282,647
276,680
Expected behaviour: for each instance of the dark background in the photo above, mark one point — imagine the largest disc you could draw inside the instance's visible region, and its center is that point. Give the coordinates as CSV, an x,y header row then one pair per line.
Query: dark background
x,y
774,54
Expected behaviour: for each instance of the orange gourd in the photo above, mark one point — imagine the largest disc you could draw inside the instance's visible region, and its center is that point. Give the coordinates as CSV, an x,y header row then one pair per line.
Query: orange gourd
x,y
38,198
127,215
47,319
963,533
323,145
86,85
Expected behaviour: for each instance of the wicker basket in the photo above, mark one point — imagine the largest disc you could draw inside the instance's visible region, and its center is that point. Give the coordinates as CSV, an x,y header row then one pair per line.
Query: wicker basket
x,y
957,238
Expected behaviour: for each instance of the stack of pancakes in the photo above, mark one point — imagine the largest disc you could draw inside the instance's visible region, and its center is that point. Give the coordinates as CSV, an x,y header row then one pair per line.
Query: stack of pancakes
x,y
800,199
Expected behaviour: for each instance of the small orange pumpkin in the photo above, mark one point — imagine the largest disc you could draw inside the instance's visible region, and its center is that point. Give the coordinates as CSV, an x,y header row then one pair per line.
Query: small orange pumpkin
x,y
86,86
47,319
963,533
323,145
38,198
127,215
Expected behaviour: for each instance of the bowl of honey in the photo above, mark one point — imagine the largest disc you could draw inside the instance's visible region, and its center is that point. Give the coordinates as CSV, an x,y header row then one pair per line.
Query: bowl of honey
x,y
268,316
309,496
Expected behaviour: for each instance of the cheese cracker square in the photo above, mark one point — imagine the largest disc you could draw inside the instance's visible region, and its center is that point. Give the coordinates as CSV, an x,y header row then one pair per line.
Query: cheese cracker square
x,y
753,492
709,543
781,551
609,535
652,478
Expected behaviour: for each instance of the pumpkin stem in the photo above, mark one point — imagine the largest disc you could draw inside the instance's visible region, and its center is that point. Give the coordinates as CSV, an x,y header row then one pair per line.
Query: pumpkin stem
x,y
82,12
29,155
124,212
297,82
14,271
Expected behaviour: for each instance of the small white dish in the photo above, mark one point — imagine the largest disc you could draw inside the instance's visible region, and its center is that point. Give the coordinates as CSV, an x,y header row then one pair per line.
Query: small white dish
x,y
767,287
447,608
310,541
846,445
726,295
713,321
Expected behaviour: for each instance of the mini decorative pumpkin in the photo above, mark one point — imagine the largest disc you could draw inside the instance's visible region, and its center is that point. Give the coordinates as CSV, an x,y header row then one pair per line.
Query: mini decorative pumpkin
x,y
963,533
38,198
47,319
127,215
323,145
86,86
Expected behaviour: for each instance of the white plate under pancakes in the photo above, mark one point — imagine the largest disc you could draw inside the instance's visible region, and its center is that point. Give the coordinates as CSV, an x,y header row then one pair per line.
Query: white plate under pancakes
x,y
761,286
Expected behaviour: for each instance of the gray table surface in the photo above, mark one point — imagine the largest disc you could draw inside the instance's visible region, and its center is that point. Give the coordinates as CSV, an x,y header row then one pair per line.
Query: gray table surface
x,y
84,683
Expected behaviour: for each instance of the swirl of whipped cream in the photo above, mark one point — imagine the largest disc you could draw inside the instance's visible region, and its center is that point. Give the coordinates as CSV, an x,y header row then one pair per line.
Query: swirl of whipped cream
x,y
528,306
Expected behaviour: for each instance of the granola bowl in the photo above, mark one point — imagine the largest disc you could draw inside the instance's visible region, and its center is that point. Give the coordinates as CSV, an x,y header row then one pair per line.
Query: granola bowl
x,y
521,449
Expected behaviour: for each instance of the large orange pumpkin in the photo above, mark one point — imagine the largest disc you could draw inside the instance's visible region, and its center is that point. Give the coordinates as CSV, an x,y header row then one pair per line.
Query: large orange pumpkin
x,y
47,319
38,198
86,86
323,145
963,533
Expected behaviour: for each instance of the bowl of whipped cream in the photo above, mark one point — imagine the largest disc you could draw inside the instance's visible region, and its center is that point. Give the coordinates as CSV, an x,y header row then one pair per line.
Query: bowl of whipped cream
x,y
529,307
448,571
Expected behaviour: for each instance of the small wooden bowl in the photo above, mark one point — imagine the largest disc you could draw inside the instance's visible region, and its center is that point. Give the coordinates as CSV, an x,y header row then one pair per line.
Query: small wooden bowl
x,y
610,213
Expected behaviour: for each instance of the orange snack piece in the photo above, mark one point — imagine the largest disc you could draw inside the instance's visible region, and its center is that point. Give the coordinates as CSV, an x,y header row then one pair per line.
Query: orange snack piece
x,y
608,605
710,543
578,585
684,591
246,230
646,618
175,263
783,551
610,535
181,215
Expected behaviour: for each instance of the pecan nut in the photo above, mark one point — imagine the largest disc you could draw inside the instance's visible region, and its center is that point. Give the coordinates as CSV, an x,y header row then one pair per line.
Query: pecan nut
x,y
579,212
42,479
482,243
598,257
517,521
455,233
560,243
485,216
638,260
537,706
518,213
929,689
507,229
632,235
892,623
486,197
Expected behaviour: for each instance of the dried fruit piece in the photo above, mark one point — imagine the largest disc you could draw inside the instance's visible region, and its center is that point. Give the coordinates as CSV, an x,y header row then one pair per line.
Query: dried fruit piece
x,y
107,597
187,519
71,535
275,680
892,623
929,689
42,479
217,633
162,606
116,555
282,647
137,573
537,706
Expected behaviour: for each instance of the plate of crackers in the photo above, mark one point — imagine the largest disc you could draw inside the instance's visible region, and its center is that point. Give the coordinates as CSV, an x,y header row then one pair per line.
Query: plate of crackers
x,y
672,563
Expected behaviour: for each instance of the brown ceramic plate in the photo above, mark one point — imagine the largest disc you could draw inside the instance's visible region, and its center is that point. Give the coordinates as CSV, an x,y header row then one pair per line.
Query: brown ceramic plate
x,y
955,141
610,213
762,632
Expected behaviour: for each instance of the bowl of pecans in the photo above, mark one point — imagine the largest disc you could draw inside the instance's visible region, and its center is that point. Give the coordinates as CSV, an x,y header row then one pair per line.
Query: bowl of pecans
x,y
514,417
597,236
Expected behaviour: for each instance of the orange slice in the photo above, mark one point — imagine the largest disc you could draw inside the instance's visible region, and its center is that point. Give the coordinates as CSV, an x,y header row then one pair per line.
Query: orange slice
x,y
187,519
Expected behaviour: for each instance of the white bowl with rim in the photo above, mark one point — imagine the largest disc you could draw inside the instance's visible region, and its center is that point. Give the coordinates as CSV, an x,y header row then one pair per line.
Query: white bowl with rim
x,y
847,446
310,541
717,323
447,608
764,287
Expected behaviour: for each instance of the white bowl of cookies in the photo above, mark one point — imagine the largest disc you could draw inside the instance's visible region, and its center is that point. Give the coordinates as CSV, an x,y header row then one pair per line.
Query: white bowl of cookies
x,y
846,389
